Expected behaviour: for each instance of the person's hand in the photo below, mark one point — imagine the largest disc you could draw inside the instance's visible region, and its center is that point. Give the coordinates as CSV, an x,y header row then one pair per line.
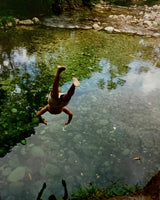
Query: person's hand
x,y
44,185
43,121
64,183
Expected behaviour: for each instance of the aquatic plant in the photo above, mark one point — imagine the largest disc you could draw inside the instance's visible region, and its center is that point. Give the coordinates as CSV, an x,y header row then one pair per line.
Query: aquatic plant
x,y
95,193
87,193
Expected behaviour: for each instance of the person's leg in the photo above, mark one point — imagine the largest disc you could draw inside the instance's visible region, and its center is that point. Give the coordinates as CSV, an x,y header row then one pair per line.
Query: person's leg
x,y
54,92
67,97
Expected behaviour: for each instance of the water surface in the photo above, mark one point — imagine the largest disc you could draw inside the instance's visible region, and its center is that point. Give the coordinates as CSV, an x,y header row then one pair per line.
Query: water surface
x,y
116,110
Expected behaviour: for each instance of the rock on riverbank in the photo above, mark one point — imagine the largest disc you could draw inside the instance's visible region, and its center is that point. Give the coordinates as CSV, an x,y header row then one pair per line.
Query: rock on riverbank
x,y
25,22
139,20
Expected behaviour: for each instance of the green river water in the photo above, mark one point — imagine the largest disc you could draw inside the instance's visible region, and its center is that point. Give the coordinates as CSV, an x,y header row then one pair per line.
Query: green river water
x,y
116,110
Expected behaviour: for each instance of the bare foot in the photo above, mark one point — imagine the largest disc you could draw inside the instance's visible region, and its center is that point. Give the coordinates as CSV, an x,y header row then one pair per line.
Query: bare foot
x,y
61,68
76,82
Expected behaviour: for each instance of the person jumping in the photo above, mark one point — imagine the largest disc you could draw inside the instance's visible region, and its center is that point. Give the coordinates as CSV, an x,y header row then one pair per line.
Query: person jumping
x,y
57,101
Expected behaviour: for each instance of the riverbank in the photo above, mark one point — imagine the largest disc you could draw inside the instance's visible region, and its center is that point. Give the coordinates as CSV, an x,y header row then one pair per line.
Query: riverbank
x,y
149,192
138,20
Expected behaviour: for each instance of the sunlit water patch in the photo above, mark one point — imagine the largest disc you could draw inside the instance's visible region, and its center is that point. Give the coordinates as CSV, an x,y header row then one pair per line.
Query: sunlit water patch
x,y
116,112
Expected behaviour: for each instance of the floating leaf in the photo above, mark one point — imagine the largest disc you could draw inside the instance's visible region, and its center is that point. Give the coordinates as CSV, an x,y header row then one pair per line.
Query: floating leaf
x,y
137,158
82,174
30,176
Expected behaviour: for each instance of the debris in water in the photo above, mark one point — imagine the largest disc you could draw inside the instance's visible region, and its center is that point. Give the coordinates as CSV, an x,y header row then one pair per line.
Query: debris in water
x,y
137,158
30,177
82,174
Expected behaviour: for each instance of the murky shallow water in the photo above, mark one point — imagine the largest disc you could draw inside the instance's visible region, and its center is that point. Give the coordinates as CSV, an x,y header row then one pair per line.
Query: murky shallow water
x,y
116,110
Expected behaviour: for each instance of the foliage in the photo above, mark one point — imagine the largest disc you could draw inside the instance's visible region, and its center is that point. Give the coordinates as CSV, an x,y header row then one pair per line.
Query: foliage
x,y
23,9
61,5
31,8
4,21
94,193
119,190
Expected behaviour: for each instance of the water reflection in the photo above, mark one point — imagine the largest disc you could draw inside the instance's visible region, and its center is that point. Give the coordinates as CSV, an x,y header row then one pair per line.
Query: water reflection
x,y
148,80
19,99
116,112
110,75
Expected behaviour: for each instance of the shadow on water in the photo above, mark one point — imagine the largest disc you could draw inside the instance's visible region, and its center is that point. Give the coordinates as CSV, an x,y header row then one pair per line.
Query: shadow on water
x,y
113,69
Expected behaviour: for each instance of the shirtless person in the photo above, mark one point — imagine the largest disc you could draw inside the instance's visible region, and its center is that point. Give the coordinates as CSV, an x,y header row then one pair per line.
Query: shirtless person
x,y
57,101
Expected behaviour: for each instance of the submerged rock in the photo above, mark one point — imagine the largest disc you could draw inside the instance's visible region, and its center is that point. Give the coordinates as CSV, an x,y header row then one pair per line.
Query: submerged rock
x,y
103,122
6,171
17,174
72,157
67,169
37,151
77,138
50,169
126,152
16,186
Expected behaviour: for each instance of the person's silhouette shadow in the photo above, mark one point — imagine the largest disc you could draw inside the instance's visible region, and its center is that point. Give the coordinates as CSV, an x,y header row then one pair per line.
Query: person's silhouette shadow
x,y
52,197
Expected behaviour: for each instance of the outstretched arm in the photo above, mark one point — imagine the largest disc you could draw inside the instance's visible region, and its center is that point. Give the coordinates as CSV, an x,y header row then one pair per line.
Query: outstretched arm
x,y
41,191
41,112
69,113
65,190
